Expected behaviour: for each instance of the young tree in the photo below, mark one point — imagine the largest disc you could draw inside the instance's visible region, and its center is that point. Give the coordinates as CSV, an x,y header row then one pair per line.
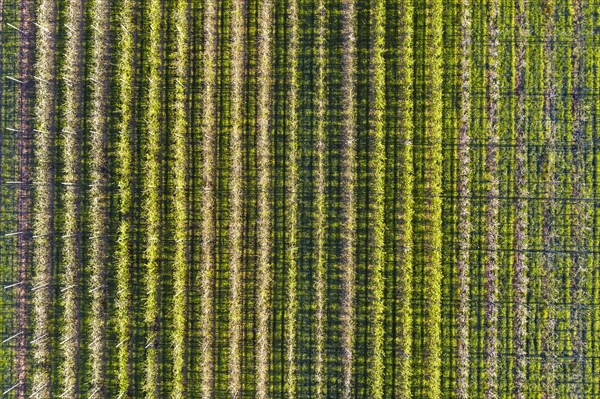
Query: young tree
x,y
263,143
405,136
431,209
99,193
236,220
180,183
348,183
581,178
464,203
151,195
43,225
209,171
376,149
292,212
520,279
320,213
26,97
72,239
549,179
126,64
491,207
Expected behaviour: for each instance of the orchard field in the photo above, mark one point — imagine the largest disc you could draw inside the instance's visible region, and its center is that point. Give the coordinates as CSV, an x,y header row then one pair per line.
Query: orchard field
x,y
300,199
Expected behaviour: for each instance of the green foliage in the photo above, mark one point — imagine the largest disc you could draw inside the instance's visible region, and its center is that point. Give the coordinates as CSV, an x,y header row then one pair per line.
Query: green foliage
x,y
404,142
376,212
125,178
520,278
98,257
348,200
463,192
428,164
180,182
292,205
209,135
324,198
320,224
43,225
71,191
151,194
236,226
548,176
263,144
491,205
